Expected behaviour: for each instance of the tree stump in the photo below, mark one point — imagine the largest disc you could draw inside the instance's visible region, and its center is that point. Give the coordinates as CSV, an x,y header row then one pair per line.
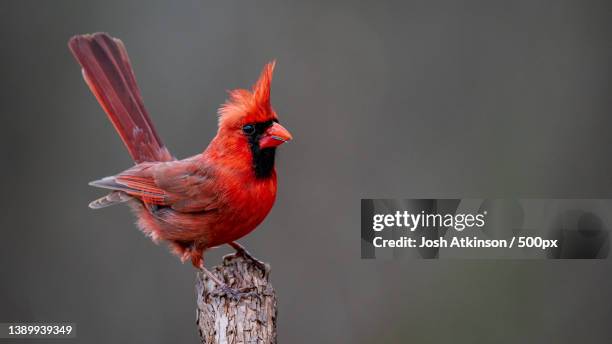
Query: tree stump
x,y
250,318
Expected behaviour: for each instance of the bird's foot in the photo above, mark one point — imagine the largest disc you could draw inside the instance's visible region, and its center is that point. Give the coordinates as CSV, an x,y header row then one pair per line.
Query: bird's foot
x,y
222,289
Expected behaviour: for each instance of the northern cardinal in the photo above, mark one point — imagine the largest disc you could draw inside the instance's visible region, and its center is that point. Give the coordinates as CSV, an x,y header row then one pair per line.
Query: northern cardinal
x,y
207,200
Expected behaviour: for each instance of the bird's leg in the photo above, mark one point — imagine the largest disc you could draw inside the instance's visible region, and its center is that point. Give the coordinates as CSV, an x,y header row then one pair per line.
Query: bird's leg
x,y
197,259
222,287
213,277
243,252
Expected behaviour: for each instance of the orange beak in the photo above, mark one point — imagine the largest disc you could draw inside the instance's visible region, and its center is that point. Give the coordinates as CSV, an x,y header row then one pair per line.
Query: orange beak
x,y
274,136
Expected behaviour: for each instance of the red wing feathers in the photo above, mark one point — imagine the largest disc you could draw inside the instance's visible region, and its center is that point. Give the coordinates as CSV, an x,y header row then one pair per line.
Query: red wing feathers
x,y
143,188
180,184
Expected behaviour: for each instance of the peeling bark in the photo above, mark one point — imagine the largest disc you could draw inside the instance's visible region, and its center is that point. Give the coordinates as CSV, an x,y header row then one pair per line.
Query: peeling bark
x,y
249,318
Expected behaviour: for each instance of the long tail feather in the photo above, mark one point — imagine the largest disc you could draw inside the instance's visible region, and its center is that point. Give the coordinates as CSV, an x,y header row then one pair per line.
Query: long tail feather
x,y
108,73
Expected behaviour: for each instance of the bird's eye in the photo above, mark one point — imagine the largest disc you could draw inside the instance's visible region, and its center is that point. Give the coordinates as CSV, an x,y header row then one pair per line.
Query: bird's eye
x,y
248,129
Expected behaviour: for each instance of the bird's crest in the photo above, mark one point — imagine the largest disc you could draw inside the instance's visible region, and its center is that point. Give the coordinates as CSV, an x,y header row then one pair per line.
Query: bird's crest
x,y
249,106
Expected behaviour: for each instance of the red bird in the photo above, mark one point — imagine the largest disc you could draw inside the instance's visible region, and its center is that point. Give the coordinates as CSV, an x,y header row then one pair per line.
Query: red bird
x,y
207,200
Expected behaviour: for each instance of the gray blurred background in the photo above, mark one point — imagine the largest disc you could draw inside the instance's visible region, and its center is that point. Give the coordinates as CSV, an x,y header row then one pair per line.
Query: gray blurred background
x,y
403,99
